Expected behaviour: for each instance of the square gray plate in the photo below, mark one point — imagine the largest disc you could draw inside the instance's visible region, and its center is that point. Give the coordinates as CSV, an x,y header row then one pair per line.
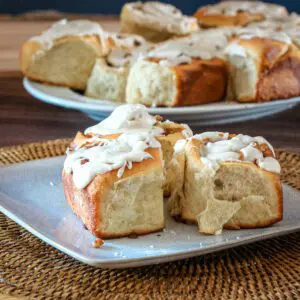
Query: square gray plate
x,y
31,195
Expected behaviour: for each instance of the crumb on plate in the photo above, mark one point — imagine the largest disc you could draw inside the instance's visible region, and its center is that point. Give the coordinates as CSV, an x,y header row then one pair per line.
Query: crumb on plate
x,y
98,243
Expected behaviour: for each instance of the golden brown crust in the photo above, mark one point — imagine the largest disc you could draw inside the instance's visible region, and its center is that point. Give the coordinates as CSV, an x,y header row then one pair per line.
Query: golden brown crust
x,y
199,82
282,79
86,203
242,18
278,66
28,49
82,202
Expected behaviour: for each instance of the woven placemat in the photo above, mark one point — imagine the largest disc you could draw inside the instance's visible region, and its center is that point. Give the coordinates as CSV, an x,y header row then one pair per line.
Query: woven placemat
x,y
31,269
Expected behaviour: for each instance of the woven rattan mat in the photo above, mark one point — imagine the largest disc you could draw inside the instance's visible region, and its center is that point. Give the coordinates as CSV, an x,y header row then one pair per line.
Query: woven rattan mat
x,y
263,270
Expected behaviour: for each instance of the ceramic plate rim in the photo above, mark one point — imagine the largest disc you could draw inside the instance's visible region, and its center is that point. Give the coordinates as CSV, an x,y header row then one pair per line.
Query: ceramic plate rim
x,y
87,104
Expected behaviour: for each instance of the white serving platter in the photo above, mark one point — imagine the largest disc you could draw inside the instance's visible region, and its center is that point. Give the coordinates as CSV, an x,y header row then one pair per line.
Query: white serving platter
x,y
31,195
207,114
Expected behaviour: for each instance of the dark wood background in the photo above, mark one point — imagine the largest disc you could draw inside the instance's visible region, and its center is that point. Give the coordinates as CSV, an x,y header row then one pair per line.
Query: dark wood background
x,y
110,7
24,119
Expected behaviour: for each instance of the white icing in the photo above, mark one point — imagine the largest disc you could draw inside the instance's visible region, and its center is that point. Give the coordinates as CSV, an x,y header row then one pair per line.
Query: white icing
x,y
270,164
293,33
168,122
251,154
107,155
231,8
187,132
277,24
198,45
126,41
265,34
262,140
213,136
269,24
289,25
179,146
174,61
119,57
223,156
64,28
210,163
294,18
167,15
238,50
219,148
235,49
126,118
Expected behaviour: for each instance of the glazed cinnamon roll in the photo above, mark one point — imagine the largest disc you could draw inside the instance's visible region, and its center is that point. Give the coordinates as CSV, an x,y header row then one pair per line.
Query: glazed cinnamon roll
x,y
117,172
156,21
226,181
179,72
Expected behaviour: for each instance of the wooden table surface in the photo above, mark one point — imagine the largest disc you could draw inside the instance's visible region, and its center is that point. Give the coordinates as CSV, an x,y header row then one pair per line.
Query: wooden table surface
x,y
24,119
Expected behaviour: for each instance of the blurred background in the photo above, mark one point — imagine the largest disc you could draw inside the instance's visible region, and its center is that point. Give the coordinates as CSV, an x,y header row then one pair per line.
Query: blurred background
x,y
111,7
23,119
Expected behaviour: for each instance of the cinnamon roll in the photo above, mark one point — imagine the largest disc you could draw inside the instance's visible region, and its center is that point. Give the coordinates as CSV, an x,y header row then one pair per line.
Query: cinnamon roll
x,y
155,21
263,66
116,172
179,72
226,181
238,13
64,54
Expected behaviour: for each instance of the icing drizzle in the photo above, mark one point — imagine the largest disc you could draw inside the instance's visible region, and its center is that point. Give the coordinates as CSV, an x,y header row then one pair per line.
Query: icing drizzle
x,y
231,8
126,118
204,45
70,28
265,34
99,156
166,14
219,147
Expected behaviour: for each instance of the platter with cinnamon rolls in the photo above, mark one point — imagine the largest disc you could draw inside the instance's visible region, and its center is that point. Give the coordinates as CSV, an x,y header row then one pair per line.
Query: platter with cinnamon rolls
x,y
229,62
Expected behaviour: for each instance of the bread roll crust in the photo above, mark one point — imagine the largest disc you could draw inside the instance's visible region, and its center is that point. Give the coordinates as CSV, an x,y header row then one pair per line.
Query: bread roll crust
x,y
86,203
